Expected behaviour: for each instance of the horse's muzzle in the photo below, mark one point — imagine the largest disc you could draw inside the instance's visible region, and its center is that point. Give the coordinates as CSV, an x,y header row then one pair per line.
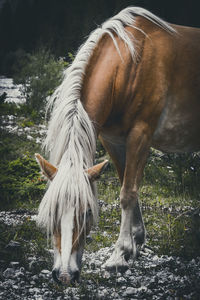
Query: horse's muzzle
x,y
65,278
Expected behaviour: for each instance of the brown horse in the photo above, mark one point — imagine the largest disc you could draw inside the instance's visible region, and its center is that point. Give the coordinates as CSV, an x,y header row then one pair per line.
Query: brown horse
x,y
135,83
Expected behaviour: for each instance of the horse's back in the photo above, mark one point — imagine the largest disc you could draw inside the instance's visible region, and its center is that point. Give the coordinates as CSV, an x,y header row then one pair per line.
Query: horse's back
x,y
165,92
179,124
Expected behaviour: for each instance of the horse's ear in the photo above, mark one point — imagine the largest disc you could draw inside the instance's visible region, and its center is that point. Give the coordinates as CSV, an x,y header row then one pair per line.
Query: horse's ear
x,y
95,172
47,169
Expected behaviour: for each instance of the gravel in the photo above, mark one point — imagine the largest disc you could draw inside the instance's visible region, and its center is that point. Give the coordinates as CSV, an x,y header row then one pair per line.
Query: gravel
x,y
12,90
149,277
15,217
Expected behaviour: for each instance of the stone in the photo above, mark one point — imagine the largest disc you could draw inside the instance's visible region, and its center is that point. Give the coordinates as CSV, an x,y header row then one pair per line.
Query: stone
x,y
35,278
121,280
15,287
128,272
142,289
45,272
22,269
14,264
33,266
130,291
9,273
13,245
31,291
19,274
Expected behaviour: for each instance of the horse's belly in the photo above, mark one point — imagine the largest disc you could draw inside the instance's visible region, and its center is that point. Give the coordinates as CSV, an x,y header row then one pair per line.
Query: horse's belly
x,y
177,132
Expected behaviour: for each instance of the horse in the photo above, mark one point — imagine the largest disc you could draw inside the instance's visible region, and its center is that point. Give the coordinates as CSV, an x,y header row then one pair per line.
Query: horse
x,y
135,84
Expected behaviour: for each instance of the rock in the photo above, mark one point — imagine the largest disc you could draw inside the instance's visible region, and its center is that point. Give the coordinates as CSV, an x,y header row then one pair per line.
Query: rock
x,y
31,291
19,275
128,272
8,283
115,295
15,287
14,264
9,273
130,291
34,266
22,269
45,273
31,258
35,277
106,274
13,245
142,289
121,280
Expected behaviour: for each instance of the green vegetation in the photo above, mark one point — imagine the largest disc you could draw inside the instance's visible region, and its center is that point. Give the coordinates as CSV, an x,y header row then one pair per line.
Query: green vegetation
x,y
39,74
31,242
20,182
39,77
170,201
169,194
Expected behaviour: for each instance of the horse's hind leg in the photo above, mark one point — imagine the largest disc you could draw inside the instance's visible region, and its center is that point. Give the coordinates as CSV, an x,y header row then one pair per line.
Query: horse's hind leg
x,y
132,231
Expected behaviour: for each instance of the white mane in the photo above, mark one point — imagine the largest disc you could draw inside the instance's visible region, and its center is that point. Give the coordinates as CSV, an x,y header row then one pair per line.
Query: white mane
x,y
71,139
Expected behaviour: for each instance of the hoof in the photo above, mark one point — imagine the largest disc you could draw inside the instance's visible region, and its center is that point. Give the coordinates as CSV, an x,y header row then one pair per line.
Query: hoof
x,y
116,265
140,238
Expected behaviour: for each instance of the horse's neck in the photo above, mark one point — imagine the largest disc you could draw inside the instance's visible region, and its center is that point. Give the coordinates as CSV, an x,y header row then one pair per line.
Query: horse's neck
x,y
108,79
96,93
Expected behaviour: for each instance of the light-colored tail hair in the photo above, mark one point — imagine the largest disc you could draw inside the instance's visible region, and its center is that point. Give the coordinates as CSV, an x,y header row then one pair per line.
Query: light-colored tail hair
x,y
71,139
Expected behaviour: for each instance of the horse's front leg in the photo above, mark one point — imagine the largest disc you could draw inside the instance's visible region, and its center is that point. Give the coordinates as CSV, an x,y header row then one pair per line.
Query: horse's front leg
x,y
132,231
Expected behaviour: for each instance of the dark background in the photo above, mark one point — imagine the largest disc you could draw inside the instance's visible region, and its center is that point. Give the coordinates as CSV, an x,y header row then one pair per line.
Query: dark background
x,y
61,25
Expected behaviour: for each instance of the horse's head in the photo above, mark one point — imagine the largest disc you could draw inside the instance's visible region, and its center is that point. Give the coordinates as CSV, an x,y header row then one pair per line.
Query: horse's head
x,y
69,234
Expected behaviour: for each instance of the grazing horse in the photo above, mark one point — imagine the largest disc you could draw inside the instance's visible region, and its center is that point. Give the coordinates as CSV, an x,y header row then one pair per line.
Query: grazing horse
x,y
134,83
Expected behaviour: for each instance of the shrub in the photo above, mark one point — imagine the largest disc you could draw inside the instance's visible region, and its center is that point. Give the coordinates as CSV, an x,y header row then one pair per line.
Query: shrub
x,y
39,78
20,182
177,172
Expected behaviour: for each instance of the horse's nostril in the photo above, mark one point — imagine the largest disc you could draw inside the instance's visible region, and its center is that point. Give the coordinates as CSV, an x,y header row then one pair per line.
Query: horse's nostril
x,y
75,276
55,275
65,278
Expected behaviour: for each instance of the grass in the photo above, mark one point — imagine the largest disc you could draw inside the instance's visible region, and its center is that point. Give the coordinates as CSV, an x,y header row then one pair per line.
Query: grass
x,y
31,241
169,197
170,208
20,182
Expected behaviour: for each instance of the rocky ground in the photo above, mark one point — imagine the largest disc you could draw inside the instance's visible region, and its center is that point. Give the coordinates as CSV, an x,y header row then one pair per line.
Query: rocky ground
x,y
148,277
12,91
28,276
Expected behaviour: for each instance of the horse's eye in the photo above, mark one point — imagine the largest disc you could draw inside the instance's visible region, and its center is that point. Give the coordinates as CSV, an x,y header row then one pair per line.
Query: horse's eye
x,y
88,213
